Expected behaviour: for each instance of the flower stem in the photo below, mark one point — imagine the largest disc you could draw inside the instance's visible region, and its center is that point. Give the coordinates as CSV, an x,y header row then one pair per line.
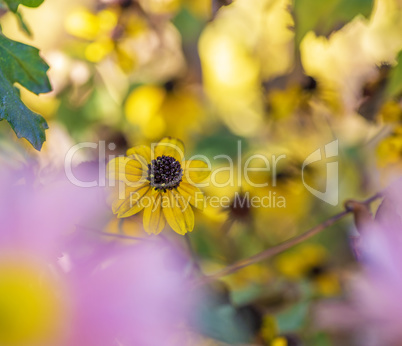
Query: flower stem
x,y
272,251
192,253
115,235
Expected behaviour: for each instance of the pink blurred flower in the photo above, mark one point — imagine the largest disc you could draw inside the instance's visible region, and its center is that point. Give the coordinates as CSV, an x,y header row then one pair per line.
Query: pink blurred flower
x,y
131,298
63,285
375,305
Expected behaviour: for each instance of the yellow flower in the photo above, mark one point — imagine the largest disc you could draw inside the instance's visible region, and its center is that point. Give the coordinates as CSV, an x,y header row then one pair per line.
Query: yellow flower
x,y
310,260
156,110
159,182
31,308
279,341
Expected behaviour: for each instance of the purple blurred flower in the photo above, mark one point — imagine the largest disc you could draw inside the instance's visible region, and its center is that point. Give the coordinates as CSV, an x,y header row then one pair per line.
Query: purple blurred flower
x,y
63,285
129,299
375,306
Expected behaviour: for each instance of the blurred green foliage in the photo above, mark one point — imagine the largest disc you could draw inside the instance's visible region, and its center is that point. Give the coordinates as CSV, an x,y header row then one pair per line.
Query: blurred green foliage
x,y
324,17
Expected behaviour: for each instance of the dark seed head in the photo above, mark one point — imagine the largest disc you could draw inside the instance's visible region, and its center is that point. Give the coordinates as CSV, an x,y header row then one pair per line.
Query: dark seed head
x,y
316,271
240,208
165,173
170,85
125,3
309,83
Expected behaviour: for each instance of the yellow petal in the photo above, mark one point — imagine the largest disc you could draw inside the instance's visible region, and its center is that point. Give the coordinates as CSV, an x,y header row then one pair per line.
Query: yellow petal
x,y
132,203
195,171
127,170
192,194
170,147
178,212
154,220
141,153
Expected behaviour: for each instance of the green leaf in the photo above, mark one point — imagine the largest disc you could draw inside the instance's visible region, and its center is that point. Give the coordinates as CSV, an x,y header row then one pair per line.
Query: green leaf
x,y
30,3
24,122
227,323
189,26
24,26
320,339
13,4
21,63
394,87
326,16
216,317
293,318
221,139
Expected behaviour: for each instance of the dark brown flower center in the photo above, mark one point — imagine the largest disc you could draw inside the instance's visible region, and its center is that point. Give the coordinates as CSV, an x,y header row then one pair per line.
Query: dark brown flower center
x,y
165,173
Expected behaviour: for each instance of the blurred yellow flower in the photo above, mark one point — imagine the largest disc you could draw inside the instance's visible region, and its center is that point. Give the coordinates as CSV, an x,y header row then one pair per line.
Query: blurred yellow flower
x,y
309,261
105,33
155,110
391,112
296,263
235,66
389,150
279,341
268,202
348,58
129,38
256,274
327,284
200,8
32,312
96,51
83,24
159,181
160,7
269,328
142,108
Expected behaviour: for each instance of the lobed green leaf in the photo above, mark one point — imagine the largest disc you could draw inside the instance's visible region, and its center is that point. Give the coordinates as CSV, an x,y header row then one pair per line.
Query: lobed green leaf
x,y
21,63
24,122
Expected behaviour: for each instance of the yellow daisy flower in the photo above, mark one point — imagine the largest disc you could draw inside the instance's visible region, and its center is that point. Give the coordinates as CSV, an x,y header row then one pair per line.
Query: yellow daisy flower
x,y
158,181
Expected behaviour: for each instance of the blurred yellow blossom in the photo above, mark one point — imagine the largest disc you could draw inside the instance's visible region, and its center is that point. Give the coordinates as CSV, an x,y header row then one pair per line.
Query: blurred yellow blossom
x,y
348,58
296,263
31,305
391,112
309,261
83,24
389,150
156,111
234,66
279,341
160,6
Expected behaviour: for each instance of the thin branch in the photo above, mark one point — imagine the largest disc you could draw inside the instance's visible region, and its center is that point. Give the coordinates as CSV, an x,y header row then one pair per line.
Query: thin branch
x,y
116,235
192,252
286,244
123,236
120,226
